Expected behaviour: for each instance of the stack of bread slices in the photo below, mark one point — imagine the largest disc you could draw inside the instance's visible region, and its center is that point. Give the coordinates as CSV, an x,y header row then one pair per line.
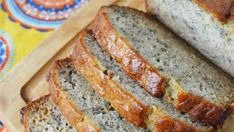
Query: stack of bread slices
x,y
129,73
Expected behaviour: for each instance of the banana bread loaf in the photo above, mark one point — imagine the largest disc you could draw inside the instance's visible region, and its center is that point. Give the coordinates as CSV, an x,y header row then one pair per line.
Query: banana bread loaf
x,y
206,25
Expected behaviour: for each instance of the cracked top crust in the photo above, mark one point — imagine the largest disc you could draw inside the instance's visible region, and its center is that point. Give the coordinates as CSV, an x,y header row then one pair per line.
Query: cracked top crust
x,y
223,10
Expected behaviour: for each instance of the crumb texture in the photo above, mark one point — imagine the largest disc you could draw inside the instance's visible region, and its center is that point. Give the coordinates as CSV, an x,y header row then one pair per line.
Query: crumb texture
x,y
44,116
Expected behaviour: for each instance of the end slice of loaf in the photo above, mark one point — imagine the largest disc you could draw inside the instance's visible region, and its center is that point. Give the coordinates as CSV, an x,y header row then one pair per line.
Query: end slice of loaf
x,y
42,115
125,32
207,25
68,84
91,59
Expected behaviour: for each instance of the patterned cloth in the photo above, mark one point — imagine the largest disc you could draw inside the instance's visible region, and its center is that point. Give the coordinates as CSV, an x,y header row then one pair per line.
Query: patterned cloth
x,y
25,23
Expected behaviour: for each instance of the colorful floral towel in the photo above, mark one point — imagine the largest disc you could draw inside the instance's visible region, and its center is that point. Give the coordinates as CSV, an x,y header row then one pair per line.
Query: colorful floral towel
x,y
25,23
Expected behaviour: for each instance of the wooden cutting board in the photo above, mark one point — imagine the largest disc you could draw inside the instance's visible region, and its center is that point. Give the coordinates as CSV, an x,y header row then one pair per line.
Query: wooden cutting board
x,y
27,79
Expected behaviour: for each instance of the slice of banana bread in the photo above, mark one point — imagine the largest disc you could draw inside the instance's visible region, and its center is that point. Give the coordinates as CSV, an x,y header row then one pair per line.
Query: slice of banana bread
x,y
69,84
123,32
89,52
42,115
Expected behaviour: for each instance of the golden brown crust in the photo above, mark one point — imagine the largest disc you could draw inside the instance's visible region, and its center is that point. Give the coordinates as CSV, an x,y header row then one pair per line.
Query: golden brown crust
x,y
123,102
121,50
25,111
161,122
167,124
199,108
202,110
223,10
76,118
